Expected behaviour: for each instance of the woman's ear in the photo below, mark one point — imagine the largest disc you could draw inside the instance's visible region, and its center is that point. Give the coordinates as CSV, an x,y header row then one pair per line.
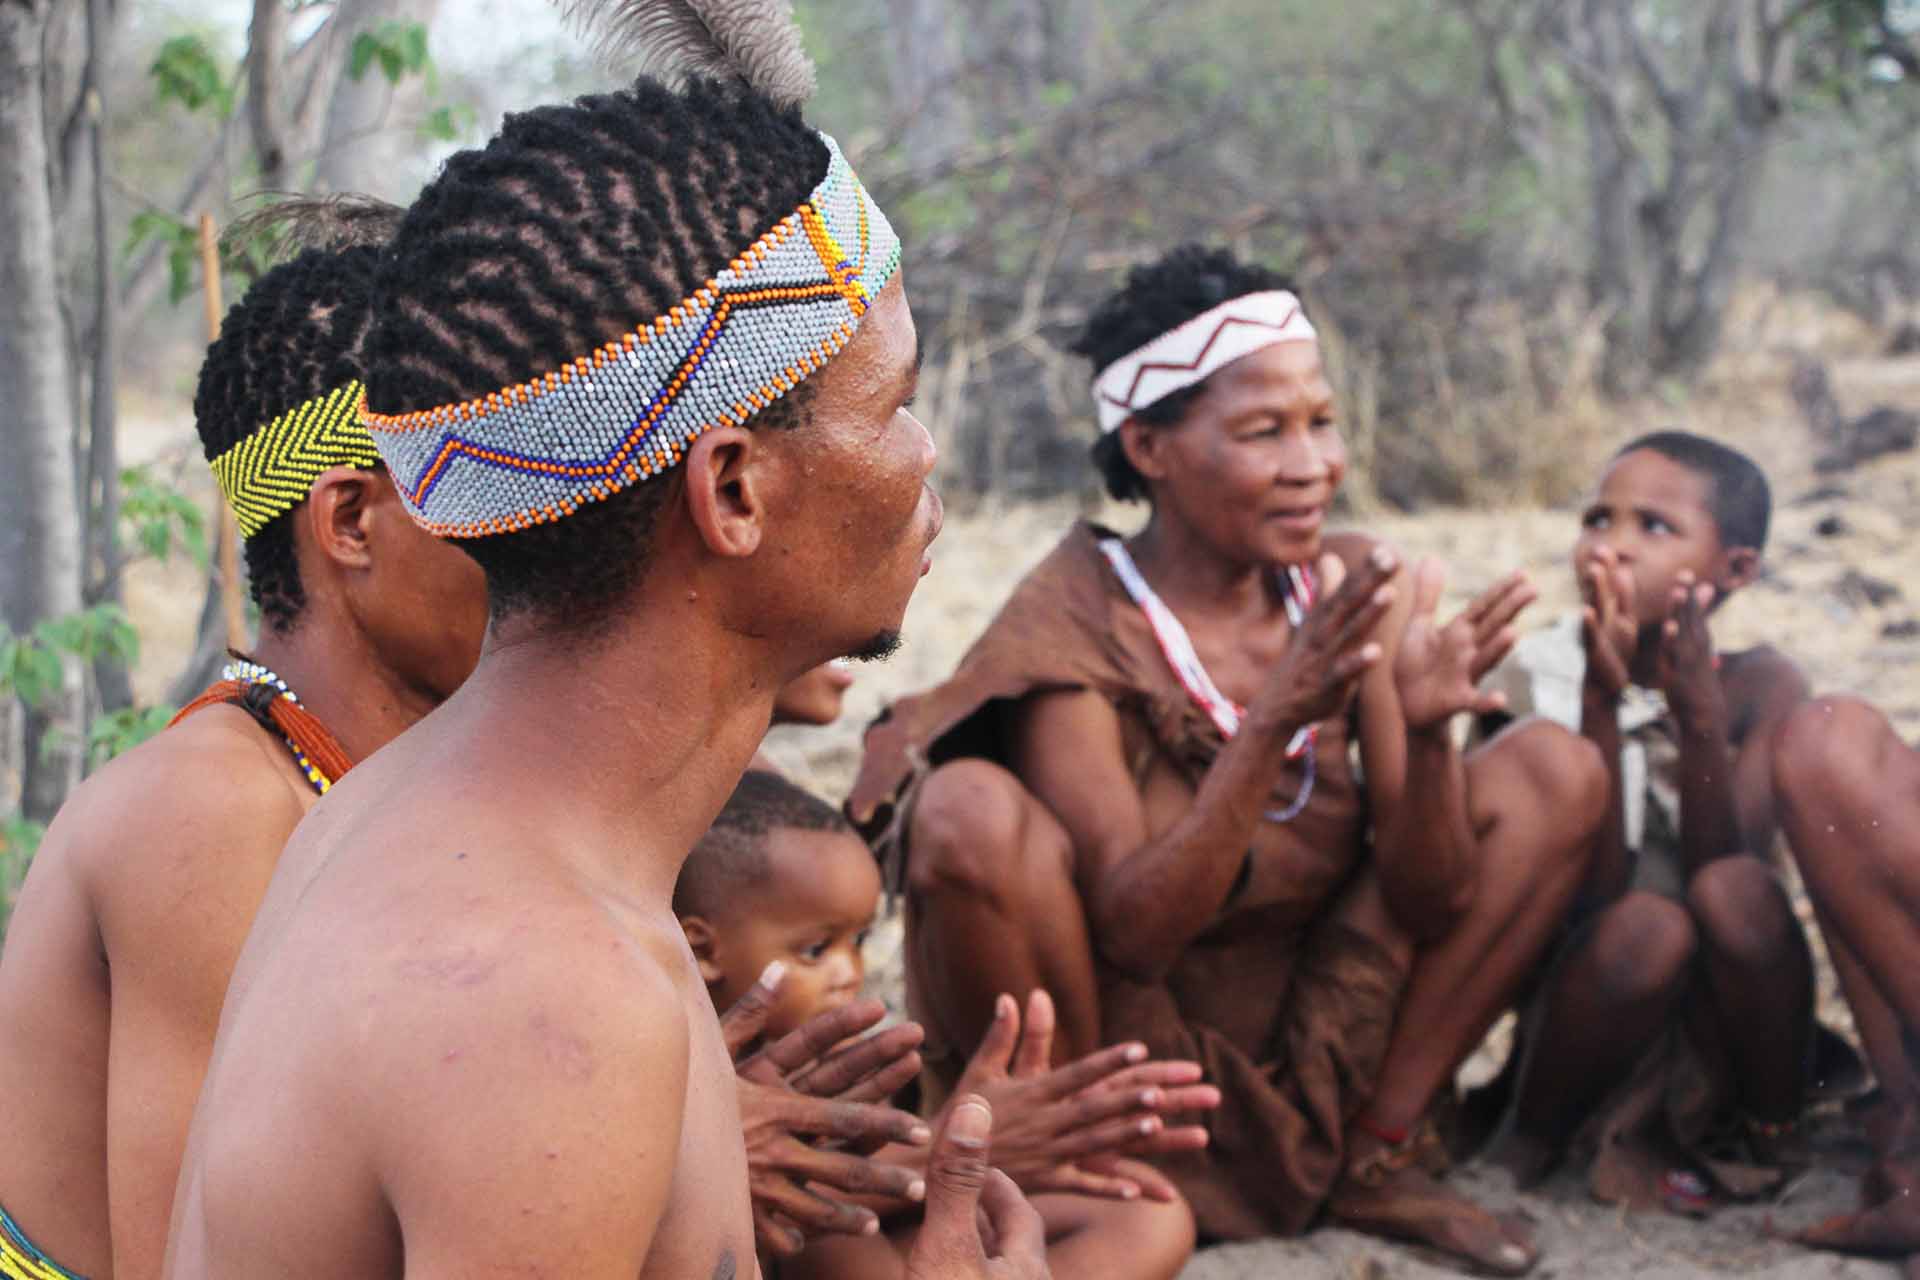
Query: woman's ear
x,y
725,471
704,942
1143,447
337,510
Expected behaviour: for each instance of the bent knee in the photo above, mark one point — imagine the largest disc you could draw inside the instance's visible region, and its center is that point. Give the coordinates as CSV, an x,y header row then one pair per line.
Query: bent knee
x,y
1561,774
975,829
1147,1239
1829,745
1642,947
1743,912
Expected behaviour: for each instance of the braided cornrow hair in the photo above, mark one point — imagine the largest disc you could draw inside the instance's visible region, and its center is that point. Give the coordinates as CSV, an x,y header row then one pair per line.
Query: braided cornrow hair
x,y
1157,297
297,333
572,226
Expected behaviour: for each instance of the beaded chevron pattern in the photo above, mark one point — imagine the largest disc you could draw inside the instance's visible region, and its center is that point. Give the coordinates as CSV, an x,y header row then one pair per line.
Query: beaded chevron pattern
x,y
535,452
274,467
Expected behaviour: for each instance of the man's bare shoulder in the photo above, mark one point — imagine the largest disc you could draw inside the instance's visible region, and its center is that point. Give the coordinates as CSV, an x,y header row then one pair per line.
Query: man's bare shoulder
x,y
555,1052
173,815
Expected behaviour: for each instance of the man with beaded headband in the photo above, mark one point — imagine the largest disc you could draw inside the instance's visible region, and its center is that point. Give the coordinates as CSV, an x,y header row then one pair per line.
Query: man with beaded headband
x,y
1139,790
646,357
118,953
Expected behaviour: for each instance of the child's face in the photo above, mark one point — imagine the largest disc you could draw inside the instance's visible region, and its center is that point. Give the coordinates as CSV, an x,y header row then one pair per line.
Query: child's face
x,y
1657,517
811,912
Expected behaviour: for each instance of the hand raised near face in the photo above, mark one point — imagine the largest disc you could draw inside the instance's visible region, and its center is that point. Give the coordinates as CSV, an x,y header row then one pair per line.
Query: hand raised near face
x,y
1686,671
1609,622
1317,674
801,1092
1439,668
978,1226
1057,1127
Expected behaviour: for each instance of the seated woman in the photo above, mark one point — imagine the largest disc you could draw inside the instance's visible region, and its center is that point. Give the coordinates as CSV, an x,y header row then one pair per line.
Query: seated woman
x,y
1142,789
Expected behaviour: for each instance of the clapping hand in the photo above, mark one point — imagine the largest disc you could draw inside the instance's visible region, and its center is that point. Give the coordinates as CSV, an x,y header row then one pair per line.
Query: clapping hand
x,y
812,1086
1610,623
978,1226
1685,669
1062,1129
1438,669
1317,675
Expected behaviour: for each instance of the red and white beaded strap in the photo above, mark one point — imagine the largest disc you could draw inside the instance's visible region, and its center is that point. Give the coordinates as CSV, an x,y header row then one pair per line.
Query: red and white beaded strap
x,y
1177,645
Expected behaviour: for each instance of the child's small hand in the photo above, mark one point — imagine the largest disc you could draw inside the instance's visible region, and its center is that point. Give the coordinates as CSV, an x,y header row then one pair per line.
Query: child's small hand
x,y
1610,624
1686,670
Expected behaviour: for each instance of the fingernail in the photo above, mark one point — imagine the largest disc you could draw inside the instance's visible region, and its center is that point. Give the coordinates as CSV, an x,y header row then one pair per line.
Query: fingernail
x,y
972,1121
869,1226
1147,1126
1129,1192
1136,1053
771,975
917,1189
1512,1255
1003,1006
1381,558
1149,1097
920,1135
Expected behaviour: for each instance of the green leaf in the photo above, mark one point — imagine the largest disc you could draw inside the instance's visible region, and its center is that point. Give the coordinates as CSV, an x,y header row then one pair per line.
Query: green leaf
x,y
120,731
186,70
364,49
413,42
159,517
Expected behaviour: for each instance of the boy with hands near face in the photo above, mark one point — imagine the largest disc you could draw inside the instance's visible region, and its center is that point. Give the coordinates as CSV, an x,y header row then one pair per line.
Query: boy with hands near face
x,y
1688,929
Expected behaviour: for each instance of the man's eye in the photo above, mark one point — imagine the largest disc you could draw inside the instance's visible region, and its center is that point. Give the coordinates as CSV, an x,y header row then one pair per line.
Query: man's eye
x,y
1595,520
813,951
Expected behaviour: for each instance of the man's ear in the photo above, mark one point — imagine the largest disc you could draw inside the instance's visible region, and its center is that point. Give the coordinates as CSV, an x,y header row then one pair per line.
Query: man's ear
x,y
1142,446
704,942
1739,567
337,512
725,476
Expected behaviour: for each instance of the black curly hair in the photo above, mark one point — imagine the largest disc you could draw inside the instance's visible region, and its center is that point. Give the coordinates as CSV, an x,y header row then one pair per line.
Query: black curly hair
x,y
299,332
732,855
1742,501
572,226
1159,296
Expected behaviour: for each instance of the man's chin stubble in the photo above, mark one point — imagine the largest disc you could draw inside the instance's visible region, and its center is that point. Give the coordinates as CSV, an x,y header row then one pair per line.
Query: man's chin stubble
x,y
881,646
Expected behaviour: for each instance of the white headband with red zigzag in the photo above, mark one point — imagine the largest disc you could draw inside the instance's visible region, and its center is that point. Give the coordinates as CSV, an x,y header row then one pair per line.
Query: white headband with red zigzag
x,y
1191,351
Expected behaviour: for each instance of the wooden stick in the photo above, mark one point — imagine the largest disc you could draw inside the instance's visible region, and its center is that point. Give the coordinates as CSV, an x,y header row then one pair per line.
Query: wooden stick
x,y
228,536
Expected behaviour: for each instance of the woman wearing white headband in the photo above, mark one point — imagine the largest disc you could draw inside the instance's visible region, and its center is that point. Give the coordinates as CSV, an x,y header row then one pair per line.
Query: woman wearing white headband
x,y
1146,778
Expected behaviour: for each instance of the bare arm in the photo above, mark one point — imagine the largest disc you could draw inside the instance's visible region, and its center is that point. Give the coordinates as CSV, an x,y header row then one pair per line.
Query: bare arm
x,y
549,1153
1725,797
1149,896
1609,634
1424,839
176,891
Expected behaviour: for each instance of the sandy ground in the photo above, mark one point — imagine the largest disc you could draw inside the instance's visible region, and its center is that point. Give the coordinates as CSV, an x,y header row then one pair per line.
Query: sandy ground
x,y
1813,603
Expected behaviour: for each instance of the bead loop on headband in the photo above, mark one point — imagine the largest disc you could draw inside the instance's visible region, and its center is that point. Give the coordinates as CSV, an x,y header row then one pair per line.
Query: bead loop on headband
x,y
532,453
1188,353
273,468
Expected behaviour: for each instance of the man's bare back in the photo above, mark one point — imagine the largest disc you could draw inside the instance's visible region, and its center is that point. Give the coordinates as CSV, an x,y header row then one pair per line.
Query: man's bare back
x,y
134,911
432,961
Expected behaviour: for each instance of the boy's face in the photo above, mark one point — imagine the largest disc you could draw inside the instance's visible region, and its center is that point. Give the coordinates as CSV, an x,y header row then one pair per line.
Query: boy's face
x,y
1657,516
811,913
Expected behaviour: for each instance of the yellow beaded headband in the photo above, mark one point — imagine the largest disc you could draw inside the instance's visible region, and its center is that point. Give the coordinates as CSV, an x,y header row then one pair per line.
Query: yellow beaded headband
x,y
274,467
535,452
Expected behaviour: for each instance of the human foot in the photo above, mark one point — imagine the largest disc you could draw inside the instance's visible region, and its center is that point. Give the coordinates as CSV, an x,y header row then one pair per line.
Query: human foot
x,y
1888,1227
1384,1192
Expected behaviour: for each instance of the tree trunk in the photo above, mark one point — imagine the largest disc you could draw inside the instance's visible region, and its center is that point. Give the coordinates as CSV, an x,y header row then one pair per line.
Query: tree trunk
x,y
925,104
40,552
363,148
110,677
